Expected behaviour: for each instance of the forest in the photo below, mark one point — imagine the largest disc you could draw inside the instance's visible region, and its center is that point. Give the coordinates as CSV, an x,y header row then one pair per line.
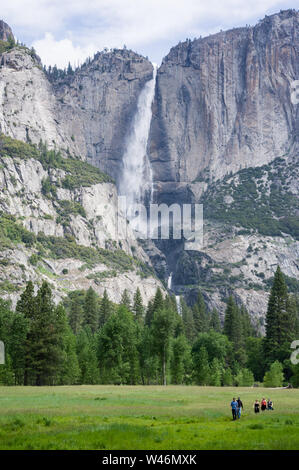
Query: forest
x,y
86,339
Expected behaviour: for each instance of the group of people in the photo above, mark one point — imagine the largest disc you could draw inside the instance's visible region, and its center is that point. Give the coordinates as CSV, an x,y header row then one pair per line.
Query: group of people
x,y
237,406
264,405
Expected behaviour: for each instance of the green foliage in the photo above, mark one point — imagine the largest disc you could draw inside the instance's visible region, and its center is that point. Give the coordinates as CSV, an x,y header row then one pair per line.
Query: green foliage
x,y
91,310
262,207
78,173
274,377
201,367
90,340
162,329
117,349
281,321
34,259
61,248
180,360
13,232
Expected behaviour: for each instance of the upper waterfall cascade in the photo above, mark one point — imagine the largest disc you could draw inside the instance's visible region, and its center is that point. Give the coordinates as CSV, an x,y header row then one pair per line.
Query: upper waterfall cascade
x,y
137,182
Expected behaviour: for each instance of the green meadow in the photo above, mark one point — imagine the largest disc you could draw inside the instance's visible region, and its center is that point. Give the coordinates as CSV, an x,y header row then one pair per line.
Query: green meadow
x,y
152,417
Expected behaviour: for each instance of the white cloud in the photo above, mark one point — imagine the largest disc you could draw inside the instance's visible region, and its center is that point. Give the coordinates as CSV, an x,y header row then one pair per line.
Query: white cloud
x,y
61,52
79,28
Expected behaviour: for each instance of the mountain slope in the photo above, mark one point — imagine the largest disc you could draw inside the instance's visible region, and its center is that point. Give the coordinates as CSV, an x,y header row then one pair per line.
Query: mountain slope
x,y
59,221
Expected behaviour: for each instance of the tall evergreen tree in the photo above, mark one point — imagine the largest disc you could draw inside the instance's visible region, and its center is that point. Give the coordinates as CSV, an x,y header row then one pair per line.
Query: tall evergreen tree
x,y
187,316
280,321
91,310
162,330
76,315
215,321
200,316
232,324
125,300
45,352
106,308
138,307
154,307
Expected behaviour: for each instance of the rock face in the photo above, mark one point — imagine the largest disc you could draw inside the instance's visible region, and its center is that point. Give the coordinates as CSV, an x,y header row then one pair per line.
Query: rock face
x,y
98,103
5,31
86,214
223,102
28,107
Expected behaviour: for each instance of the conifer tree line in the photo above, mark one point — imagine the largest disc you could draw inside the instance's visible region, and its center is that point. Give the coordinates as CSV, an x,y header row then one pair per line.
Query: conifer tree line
x,y
90,340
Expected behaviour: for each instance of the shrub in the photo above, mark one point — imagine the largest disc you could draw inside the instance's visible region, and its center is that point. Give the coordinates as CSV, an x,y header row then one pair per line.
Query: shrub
x,y
274,377
34,259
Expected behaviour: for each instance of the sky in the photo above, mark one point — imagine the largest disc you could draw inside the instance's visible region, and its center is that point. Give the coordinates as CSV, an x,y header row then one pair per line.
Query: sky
x,y
64,31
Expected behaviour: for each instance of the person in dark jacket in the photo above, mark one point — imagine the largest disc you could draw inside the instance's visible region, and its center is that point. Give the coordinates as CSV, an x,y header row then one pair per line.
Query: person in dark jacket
x,y
240,405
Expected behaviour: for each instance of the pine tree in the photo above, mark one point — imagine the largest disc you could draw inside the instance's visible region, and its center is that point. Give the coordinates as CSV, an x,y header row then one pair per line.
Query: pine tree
x,y
232,324
125,299
91,311
44,345
187,316
106,308
215,321
17,346
154,307
200,316
138,307
280,321
76,315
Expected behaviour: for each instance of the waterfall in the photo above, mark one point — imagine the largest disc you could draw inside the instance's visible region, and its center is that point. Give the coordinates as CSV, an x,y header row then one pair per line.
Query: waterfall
x,y
137,182
178,304
169,282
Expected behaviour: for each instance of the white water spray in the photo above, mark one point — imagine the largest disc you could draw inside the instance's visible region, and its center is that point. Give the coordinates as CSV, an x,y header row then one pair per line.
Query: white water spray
x,y
178,304
169,281
137,181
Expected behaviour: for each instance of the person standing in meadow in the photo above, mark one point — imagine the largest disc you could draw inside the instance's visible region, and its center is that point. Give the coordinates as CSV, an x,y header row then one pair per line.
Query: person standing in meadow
x,y
234,406
240,405
263,404
256,406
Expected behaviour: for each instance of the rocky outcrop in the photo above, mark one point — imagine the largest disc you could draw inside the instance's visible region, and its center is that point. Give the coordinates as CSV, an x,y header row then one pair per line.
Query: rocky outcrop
x,y
98,103
86,216
5,31
28,107
223,102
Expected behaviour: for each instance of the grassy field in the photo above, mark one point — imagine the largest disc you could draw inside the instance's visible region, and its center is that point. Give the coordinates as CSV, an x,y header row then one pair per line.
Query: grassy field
x,y
122,417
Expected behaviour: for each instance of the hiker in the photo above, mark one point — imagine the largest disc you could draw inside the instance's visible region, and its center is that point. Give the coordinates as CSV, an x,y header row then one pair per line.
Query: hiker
x,y
263,404
270,405
234,406
240,405
256,406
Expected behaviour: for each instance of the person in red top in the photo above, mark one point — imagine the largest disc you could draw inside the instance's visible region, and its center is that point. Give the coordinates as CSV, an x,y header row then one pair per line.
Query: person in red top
x,y
263,404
